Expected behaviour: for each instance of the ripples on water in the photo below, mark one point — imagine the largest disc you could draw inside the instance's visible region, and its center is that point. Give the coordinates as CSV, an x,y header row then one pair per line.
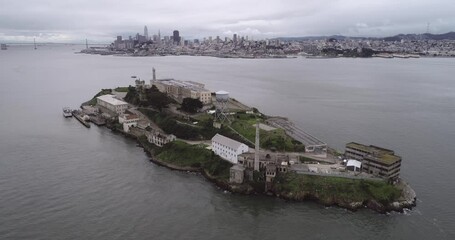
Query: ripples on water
x,y
59,180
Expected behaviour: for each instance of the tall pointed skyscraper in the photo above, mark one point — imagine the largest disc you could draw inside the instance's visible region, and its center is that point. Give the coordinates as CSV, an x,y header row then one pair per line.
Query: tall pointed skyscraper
x,y
146,33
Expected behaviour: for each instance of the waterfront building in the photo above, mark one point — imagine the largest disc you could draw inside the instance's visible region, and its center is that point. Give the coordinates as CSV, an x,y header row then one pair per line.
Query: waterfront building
x,y
111,103
228,149
375,160
159,138
128,120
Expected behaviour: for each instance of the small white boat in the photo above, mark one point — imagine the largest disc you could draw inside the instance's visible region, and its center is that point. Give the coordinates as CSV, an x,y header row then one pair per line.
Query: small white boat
x,y
67,112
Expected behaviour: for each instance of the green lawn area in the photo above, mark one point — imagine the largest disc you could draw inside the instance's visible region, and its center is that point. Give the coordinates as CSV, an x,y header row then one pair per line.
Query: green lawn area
x,y
121,89
92,102
340,188
245,125
185,155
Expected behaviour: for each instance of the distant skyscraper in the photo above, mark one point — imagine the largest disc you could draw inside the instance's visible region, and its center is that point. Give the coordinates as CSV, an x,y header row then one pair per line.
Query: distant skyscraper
x,y
176,37
235,38
146,33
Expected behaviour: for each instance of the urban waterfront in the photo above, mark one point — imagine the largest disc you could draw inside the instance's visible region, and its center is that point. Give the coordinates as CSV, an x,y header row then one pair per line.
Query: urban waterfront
x,y
60,180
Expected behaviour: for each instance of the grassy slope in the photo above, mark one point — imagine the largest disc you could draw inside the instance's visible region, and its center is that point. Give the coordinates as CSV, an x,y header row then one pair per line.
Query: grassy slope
x,y
121,89
92,102
342,189
196,156
245,125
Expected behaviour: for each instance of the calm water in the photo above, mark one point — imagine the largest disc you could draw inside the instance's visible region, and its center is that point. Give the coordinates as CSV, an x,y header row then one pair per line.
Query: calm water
x,y
59,180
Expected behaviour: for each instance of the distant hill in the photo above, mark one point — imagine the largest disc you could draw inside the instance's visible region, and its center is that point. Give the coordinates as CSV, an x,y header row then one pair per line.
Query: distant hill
x,y
337,37
399,37
425,36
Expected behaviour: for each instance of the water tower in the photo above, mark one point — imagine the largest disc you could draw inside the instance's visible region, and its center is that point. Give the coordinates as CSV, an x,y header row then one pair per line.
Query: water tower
x,y
222,99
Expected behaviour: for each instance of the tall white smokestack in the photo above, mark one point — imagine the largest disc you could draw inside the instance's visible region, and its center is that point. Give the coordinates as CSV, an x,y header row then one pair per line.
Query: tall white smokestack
x,y
256,149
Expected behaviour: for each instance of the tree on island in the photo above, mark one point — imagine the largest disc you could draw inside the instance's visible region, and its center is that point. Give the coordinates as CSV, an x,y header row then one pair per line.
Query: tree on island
x,y
132,96
157,99
191,105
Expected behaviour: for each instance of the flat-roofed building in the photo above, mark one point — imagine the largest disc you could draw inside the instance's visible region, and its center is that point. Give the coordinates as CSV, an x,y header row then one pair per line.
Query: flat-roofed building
x,y
160,139
183,89
228,149
128,120
375,160
111,103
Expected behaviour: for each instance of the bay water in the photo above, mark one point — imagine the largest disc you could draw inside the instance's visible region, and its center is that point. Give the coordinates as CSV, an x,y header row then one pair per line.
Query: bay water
x,y
60,180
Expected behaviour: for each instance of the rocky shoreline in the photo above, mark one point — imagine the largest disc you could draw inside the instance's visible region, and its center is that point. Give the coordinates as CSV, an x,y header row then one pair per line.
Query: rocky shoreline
x,y
406,201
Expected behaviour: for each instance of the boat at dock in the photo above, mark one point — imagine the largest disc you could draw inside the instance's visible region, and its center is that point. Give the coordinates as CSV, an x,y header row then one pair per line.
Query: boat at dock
x,y
67,112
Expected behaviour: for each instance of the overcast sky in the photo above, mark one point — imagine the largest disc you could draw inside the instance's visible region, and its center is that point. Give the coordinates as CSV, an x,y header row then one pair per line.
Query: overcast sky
x,y
102,20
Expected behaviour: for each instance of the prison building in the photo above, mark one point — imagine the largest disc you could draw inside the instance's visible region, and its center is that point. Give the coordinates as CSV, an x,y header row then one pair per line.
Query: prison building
x,y
184,89
375,160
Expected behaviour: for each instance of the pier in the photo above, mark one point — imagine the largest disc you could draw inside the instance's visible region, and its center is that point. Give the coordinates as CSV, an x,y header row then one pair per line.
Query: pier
x,y
81,119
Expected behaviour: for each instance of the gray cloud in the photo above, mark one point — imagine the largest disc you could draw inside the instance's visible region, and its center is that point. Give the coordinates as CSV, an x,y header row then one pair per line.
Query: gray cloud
x,y
101,20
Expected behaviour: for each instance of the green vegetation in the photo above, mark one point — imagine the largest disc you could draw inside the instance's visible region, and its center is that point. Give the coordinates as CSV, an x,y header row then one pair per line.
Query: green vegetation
x,y
304,159
171,126
191,105
274,139
344,189
121,89
92,102
148,98
364,52
204,130
195,156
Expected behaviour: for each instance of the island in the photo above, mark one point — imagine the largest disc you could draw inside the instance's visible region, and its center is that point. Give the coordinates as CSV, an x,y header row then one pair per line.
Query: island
x,y
183,126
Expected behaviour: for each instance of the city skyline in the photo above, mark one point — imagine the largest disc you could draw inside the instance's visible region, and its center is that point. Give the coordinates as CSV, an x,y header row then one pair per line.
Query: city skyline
x,y
101,21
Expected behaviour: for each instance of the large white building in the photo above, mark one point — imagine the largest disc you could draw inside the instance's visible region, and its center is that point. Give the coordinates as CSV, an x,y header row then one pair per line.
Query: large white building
x,y
227,148
111,103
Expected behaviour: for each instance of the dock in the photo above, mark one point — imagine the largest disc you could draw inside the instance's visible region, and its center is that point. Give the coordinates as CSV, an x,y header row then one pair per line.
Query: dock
x,y
80,119
97,120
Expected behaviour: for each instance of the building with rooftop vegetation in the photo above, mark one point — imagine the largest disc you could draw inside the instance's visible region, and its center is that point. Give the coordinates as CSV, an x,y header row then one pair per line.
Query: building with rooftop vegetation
x,y
375,160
